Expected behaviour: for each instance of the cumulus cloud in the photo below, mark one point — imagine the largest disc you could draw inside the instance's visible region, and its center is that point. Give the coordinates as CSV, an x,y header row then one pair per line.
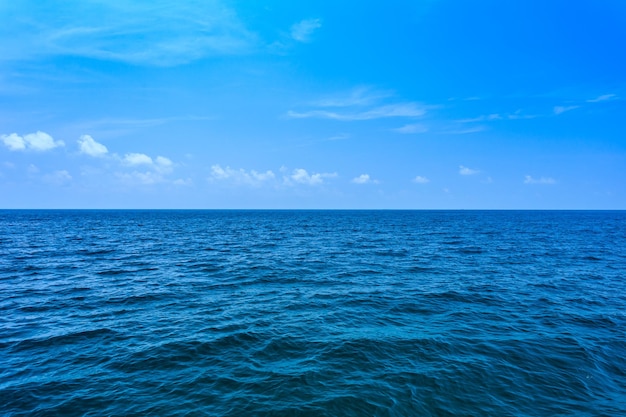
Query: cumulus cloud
x,y
90,147
421,180
240,176
364,179
137,159
14,142
38,141
467,171
301,176
163,161
543,180
163,164
303,30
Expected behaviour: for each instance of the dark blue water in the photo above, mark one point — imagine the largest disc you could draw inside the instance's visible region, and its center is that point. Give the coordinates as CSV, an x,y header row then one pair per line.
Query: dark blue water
x,y
312,313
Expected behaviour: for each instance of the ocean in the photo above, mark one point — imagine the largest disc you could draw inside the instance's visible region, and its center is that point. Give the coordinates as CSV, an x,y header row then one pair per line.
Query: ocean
x,y
312,313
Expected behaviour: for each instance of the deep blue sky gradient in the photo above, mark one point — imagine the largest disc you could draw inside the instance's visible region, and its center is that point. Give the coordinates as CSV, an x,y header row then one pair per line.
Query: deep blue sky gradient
x,y
237,104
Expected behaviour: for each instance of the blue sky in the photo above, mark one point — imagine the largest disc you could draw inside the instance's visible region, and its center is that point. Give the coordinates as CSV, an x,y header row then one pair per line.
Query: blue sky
x,y
313,104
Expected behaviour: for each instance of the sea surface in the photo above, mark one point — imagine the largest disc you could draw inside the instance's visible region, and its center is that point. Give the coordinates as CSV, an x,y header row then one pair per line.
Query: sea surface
x,y
312,313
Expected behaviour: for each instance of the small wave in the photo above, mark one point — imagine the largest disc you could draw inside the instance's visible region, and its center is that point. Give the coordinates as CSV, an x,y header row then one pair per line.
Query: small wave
x,y
76,337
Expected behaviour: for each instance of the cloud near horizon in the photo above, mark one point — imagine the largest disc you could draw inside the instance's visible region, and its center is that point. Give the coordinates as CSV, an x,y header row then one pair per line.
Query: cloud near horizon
x,y
467,171
240,176
301,176
543,180
38,141
364,179
89,146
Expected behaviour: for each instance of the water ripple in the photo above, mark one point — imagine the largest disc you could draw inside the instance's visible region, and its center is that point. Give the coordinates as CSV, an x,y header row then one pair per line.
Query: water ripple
x,y
312,313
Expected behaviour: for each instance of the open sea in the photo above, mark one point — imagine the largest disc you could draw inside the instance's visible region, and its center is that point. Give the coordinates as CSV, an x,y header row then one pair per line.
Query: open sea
x,y
312,313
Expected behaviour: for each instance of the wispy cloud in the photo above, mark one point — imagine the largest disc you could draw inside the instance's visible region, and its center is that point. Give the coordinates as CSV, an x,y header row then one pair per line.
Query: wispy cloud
x,y
467,171
482,118
392,110
362,103
38,141
467,131
563,109
359,96
89,146
517,115
543,180
132,32
364,179
411,129
303,30
420,180
137,123
604,97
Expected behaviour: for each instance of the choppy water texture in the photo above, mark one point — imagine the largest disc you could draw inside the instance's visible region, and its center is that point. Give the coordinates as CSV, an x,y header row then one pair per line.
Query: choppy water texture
x,y
312,313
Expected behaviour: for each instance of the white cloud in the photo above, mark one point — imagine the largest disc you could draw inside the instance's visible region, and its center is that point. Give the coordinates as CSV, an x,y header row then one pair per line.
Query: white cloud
x,y
391,110
360,96
411,128
163,161
474,129
137,159
543,180
603,97
90,147
14,142
341,136
163,164
303,30
240,176
301,176
38,141
157,32
421,180
563,109
483,118
467,171
41,141
364,179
